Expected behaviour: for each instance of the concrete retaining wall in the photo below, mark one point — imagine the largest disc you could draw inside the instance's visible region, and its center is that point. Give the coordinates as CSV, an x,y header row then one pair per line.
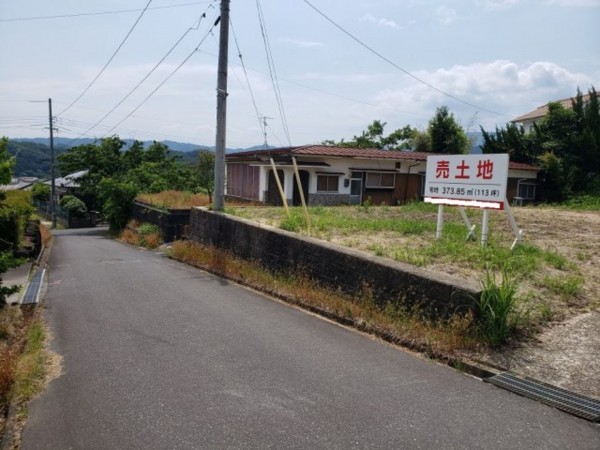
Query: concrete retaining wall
x,y
173,223
334,266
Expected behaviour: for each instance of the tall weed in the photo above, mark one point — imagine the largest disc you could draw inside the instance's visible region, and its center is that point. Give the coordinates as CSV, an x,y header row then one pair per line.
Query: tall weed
x,y
497,308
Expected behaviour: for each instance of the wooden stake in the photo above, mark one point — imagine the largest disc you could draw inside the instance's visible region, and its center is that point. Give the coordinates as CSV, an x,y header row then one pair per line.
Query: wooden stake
x,y
283,199
297,174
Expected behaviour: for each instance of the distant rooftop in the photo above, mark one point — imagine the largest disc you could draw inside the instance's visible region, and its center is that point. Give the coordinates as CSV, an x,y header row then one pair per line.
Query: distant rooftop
x,y
18,183
68,181
541,111
347,152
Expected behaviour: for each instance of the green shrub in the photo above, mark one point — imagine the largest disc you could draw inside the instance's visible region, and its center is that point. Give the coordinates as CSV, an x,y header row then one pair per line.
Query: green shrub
x,y
116,198
7,261
40,192
74,206
15,211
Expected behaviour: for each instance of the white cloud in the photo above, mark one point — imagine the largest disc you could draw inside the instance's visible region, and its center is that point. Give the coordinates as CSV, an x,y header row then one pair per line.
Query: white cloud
x,y
573,3
301,44
495,5
445,15
501,86
379,21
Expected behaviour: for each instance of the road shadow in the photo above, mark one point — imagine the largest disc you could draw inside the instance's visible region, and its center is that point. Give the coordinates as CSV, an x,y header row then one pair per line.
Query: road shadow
x,y
96,231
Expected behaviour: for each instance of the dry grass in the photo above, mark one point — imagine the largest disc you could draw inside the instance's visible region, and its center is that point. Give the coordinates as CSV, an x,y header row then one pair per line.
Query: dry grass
x,y
182,200
142,235
394,323
174,199
46,235
22,358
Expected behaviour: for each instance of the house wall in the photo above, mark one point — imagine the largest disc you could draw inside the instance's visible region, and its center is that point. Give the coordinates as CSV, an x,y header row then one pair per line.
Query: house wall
x,y
243,181
512,185
249,181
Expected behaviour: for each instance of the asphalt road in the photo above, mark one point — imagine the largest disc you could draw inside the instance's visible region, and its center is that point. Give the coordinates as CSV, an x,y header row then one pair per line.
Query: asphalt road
x,y
158,355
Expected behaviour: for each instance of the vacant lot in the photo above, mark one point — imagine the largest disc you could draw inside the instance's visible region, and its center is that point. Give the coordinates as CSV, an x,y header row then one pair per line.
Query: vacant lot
x,y
557,268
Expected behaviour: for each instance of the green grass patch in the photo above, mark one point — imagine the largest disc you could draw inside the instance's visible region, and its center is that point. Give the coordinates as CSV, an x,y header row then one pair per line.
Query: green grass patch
x,y
567,286
30,368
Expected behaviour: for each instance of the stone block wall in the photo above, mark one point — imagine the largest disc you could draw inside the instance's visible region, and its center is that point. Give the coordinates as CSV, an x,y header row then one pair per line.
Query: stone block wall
x,y
331,265
328,199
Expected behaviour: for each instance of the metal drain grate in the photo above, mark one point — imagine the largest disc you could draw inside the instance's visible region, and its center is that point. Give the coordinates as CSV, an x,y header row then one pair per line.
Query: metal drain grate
x,y
578,405
32,293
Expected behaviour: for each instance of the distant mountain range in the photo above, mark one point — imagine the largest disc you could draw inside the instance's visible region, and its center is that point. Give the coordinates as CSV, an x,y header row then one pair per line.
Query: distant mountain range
x,y
33,154
66,143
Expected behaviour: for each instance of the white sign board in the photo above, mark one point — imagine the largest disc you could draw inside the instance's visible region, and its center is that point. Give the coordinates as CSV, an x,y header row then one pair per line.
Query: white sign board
x,y
467,180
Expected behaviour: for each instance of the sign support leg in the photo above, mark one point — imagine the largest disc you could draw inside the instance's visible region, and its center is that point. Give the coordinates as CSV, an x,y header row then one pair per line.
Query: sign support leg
x,y
518,232
484,227
440,222
471,228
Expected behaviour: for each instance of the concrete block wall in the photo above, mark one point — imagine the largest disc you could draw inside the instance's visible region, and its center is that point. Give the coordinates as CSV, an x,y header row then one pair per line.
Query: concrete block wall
x,y
173,223
332,265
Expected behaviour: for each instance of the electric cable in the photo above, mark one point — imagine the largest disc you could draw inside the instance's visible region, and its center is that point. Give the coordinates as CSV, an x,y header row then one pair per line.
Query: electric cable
x,y
273,72
193,27
109,60
100,13
253,99
379,55
164,81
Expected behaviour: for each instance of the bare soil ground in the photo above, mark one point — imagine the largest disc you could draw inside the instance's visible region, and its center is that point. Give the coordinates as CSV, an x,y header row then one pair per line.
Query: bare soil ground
x,y
566,351
564,346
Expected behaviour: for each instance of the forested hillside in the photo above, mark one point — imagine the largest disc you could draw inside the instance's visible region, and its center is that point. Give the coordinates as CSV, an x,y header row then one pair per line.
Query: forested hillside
x,y
33,158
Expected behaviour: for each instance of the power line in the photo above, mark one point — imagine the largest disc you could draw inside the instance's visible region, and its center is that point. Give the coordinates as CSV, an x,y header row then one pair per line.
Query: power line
x,y
261,123
193,27
376,53
323,91
109,61
100,13
165,80
272,71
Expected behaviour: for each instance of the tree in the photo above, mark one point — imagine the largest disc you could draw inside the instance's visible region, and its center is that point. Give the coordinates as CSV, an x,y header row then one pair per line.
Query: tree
x,y
512,140
6,162
206,172
40,192
373,137
565,144
446,135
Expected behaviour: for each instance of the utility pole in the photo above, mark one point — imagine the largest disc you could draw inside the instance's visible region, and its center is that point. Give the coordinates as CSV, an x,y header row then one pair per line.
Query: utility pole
x,y
264,118
221,108
52,174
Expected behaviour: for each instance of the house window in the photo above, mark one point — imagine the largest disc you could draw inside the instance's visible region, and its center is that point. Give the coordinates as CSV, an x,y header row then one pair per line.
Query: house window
x,y
327,183
380,180
526,190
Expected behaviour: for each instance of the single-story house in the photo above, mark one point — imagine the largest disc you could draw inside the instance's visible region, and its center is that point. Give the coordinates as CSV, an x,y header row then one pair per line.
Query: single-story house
x,y
527,120
69,184
339,175
19,183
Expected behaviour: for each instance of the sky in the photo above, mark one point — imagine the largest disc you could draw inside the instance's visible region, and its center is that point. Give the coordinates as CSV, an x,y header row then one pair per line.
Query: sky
x,y
335,70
